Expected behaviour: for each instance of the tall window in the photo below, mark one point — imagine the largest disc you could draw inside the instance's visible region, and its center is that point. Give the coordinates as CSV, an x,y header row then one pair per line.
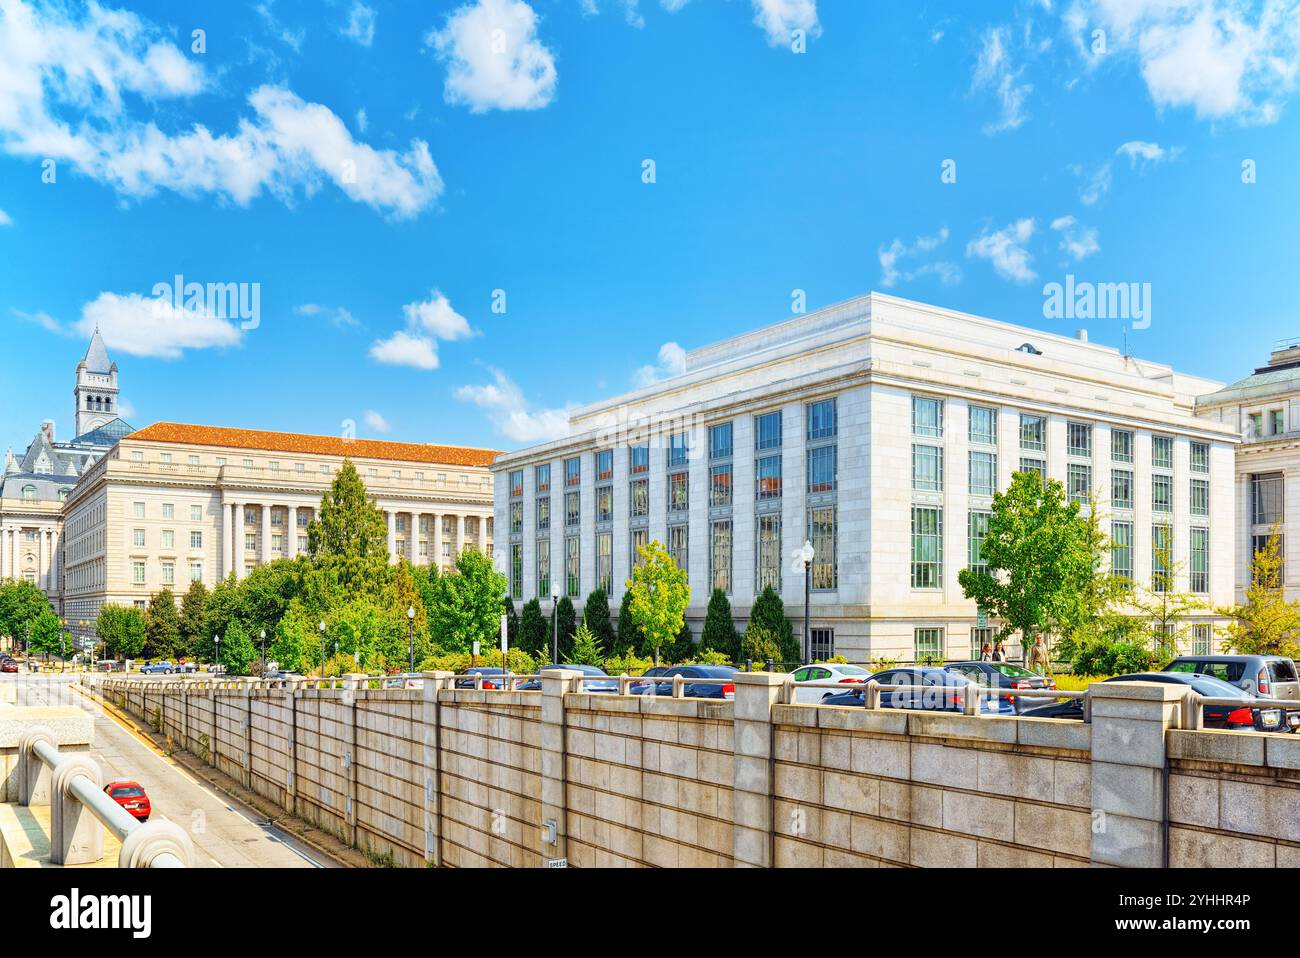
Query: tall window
x,y
1198,570
822,419
1162,452
640,460
720,554
516,483
1200,640
604,465
1162,493
1199,498
1121,445
927,416
980,638
821,468
604,503
573,471
1200,456
543,567
983,473
983,425
927,546
720,485
1161,551
927,467
768,567
928,644
516,571
572,566
1121,549
678,544
767,431
640,538
822,535
639,501
821,644
543,513
1121,488
767,478
572,508
605,561
516,517
1078,439
977,527
1037,466
1266,499
678,450
542,478
678,491
720,441
1079,480
1033,432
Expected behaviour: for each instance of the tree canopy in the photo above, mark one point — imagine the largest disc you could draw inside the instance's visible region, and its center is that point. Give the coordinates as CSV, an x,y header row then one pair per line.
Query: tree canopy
x,y
660,595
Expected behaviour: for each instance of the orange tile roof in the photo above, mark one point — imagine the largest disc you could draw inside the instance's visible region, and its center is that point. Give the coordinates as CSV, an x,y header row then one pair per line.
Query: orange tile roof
x,y
292,442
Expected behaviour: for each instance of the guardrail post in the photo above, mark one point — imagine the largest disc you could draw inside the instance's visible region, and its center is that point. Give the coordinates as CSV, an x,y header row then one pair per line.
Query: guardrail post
x,y
431,723
552,842
76,835
159,837
248,732
752,826
33,776
351,686
970,702
291,777
873,694
1129,722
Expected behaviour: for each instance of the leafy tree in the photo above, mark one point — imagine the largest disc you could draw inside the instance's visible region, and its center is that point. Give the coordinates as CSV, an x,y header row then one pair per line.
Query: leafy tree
x,y
1266,623
192,604
20,603
720,633
348,539
596,616
121,629
758,644
660,595
162,625
533,627
512,621
629,638
683,648
237,651
567,624
46,635
467,603
295,643
1043,560
769,613
586,647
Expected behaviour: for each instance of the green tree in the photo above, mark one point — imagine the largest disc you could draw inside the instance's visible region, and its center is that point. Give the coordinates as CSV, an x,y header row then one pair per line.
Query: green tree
x,y
1042,560
586,647
295,643
533,627
595,615
237,651
567,624
768,613
121,629
20,603
1266,623
467,604
162,626
683,648
628,638
660,595
348,539
46,635
758,644
720,634
512,621
192,604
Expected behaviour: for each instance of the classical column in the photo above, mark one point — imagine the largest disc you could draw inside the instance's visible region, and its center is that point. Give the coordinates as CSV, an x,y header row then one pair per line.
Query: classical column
x,y
227,543
482,534
458,535
291,533
435,541
266,534
4,553
392,535
238,541
40,559
56,564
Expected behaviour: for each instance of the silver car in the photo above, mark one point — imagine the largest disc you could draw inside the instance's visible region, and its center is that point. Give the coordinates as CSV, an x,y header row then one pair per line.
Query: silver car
x,y
1266,676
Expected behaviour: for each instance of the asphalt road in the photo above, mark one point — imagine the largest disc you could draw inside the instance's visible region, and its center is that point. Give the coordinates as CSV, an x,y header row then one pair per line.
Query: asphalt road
x,y
226,833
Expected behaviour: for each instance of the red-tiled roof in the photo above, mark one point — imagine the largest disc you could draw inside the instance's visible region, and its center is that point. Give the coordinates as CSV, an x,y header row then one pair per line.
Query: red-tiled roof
x,y
292,442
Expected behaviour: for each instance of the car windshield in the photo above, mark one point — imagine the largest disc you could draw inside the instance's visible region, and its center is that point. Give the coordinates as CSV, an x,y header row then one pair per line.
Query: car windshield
x,y
1012,671
128,792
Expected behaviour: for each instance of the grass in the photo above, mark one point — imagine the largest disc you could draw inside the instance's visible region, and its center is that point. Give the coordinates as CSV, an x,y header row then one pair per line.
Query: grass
x,y
1076,683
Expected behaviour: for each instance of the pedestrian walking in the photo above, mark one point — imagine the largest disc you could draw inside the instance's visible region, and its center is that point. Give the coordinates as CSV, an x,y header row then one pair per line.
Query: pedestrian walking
x,y
986,653
1039,660
998,654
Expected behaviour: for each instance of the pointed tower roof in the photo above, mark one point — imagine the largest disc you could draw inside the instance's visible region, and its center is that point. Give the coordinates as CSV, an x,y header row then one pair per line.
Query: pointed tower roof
x,y
97,360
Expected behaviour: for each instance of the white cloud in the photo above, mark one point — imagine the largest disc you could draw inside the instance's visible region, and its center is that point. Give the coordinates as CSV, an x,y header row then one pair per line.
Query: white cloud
x,y
41,319
377,422
779,18
361,24
994,72
126,409
494,59
1005,250
1077,241
5,219
426,322
511,414
891,257
1096,184
64,96
334,315
363,121
291,38
1143,155
672,362
1224,59
150,326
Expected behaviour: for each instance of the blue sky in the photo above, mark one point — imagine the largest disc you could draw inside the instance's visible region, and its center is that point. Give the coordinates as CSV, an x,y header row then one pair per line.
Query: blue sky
x,y
382,171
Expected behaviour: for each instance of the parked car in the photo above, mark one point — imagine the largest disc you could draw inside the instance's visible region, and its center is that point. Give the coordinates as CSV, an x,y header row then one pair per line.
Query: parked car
x,y
183,666
131,796
605,688
1267,676
1240,717
158,668
484,670
1005,675
696,690
825,672
8,664
942,691
639,686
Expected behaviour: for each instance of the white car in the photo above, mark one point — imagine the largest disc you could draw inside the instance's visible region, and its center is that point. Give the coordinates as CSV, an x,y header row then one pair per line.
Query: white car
x,y
825,672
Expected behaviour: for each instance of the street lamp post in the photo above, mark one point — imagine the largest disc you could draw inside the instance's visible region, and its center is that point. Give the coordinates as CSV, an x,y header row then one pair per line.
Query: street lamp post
x,y
263,633
322,647
410,647
803,559
216,652
555,641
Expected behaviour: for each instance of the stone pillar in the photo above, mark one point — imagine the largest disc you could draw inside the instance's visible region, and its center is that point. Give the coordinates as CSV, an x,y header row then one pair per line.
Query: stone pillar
x,y
4,555
751,830
434,682
237,541
392,534
227,540
435,541
291,533
76,836
1129,721
555,683
265,552
40,560
33,776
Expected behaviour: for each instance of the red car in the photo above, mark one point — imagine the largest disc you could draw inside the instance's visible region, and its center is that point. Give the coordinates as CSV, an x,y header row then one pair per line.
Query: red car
x,y
131,796
8,665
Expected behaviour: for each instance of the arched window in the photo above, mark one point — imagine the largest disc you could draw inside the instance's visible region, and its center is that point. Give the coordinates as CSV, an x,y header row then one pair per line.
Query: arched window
x,y
29,493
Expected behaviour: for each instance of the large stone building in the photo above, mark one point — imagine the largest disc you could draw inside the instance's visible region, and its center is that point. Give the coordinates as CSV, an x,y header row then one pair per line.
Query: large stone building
x,y
172,504
1264,409
878,429
35,485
